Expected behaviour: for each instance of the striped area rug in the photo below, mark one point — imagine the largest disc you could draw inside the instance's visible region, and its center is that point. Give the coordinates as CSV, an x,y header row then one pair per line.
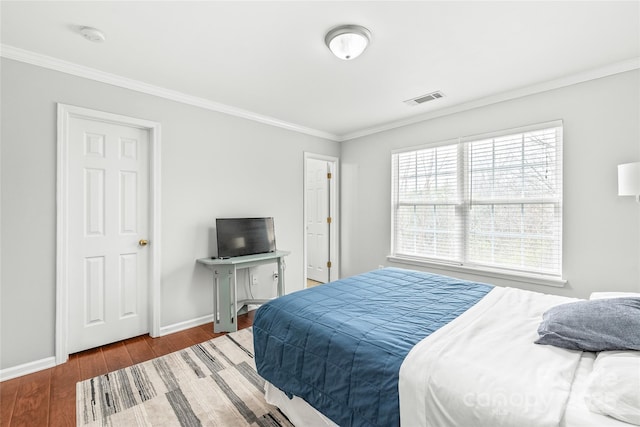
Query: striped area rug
x,y
210,384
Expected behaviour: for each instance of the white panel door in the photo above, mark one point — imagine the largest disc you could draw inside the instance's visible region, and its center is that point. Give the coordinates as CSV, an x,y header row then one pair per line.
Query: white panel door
x,y
317,213
108,223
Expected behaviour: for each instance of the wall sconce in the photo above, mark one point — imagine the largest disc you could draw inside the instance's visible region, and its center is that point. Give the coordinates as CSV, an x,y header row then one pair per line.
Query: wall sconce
x,y
629,180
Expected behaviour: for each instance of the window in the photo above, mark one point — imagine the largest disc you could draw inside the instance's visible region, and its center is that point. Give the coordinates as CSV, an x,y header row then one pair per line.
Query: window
x,y
488,202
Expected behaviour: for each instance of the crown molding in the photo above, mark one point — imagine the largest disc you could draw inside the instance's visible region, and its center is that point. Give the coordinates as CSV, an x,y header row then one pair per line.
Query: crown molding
x,y
56,64
29,57
596,73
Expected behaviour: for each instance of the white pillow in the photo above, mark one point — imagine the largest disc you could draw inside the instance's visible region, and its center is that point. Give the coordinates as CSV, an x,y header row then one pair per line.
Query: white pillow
x,y
613,387
605,295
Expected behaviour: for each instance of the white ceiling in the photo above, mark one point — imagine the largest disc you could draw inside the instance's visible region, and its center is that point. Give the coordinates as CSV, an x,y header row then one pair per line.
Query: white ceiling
x,y
268,59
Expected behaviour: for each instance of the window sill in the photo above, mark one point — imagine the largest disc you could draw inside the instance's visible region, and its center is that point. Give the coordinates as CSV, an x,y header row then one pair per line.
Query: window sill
x,y
486,272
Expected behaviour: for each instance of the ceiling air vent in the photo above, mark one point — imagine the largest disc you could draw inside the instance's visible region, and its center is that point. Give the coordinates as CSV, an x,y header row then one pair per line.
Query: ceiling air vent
x,y
425,98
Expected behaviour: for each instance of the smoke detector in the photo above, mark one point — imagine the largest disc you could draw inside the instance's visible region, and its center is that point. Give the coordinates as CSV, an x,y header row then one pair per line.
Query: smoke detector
x,y
424,98
92,34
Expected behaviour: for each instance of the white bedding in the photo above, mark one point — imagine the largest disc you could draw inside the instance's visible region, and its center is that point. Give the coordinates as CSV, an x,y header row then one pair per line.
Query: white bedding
x,y
483,369
577,414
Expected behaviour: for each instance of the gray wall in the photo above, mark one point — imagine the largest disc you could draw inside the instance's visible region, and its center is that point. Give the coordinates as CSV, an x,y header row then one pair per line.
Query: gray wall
x,y
213,165
601,238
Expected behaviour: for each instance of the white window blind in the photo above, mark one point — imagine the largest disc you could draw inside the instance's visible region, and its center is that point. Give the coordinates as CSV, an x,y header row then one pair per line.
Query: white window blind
x,y
490,201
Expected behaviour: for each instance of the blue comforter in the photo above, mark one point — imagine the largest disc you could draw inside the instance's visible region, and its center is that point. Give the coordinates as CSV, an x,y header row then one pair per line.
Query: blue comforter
x,y
339,346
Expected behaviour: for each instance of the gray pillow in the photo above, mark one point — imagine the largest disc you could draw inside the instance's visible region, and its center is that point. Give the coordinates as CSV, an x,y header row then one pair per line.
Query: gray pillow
x,y
596,325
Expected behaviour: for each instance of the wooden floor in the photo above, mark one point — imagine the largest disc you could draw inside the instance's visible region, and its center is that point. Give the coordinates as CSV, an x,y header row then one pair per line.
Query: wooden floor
x,y
48,398
312,283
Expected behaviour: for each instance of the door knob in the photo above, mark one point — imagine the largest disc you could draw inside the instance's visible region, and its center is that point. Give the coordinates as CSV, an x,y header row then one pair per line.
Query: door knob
x,y
143,242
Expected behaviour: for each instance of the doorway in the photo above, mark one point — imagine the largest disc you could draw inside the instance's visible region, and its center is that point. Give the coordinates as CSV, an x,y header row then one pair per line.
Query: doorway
x,y
321,220
108,230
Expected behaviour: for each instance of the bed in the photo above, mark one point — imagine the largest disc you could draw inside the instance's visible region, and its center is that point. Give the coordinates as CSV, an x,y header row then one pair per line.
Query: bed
x,y
401,347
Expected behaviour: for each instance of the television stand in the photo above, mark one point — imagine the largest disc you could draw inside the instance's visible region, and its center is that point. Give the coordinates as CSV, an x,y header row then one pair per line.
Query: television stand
x,y
225,286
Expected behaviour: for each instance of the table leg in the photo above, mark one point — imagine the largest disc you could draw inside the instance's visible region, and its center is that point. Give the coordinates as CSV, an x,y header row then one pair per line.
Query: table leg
x,y
280,289
227,298
215,299
234,307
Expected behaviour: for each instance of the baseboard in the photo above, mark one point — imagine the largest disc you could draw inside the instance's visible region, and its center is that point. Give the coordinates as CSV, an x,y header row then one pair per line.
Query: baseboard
x,y
181,326
27,368
50,362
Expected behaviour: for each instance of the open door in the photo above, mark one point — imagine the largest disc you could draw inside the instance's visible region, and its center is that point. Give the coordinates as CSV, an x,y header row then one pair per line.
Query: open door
x,y
321,254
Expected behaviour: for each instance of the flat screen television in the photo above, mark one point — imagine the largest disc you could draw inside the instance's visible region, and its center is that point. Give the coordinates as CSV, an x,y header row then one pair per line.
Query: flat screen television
x,y
245,236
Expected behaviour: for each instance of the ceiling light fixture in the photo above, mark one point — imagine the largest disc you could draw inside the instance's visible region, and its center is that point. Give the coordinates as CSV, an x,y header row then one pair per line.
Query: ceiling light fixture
x,y
92,34
348,41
